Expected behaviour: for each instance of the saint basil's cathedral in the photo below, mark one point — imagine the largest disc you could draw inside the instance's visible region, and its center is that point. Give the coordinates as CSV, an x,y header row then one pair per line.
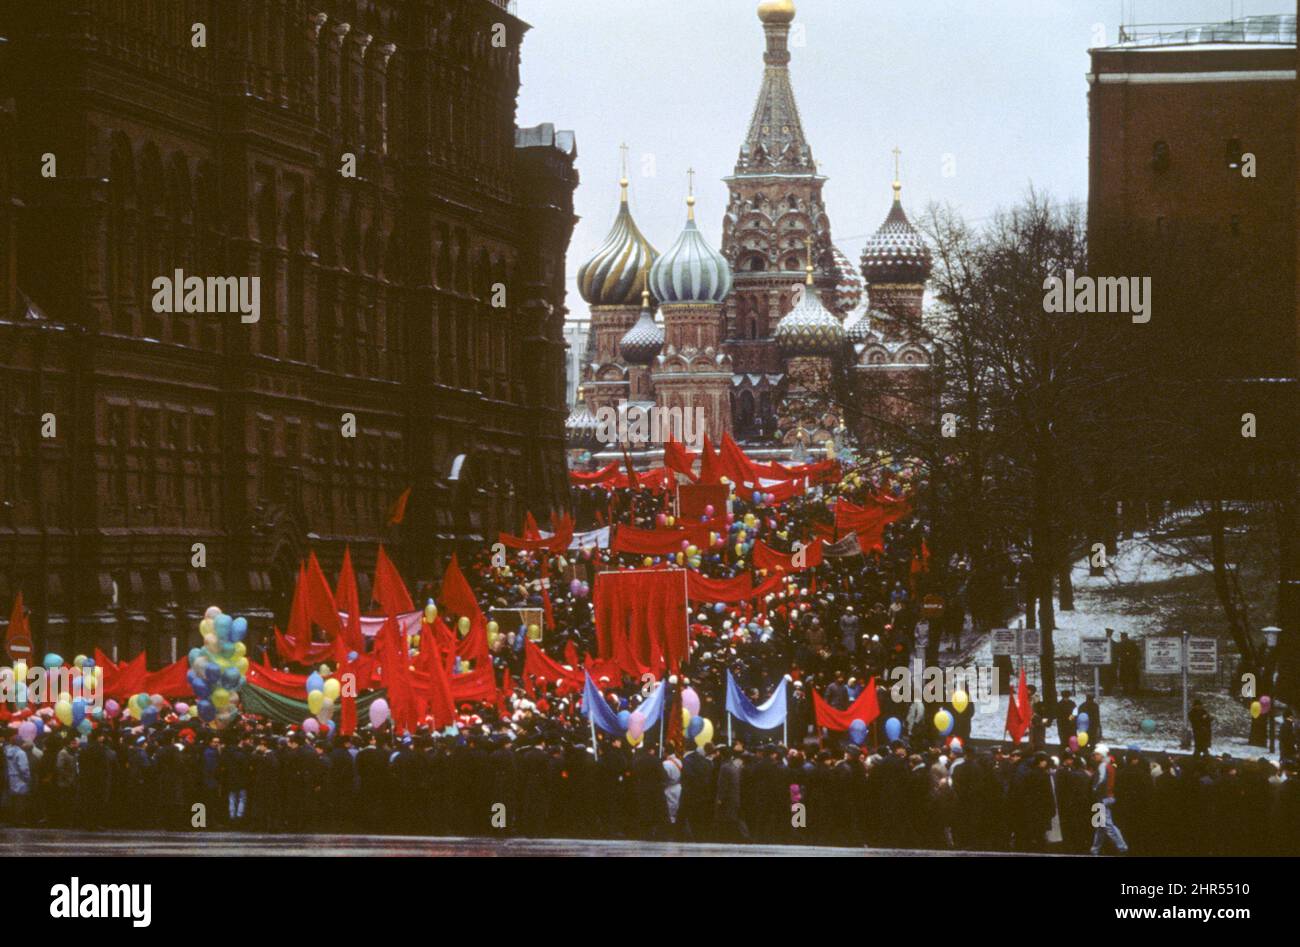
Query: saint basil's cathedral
x,y
754,334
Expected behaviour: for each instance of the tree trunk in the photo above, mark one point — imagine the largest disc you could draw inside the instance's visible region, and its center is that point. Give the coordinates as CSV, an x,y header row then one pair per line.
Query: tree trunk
x,y
1066,585
1226,589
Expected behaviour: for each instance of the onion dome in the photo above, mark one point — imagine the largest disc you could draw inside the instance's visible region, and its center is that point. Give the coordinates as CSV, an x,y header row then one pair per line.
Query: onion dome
x,y
896,253
848,289
690,271
809,328
581,427
857,327
615,275
645,339
776,11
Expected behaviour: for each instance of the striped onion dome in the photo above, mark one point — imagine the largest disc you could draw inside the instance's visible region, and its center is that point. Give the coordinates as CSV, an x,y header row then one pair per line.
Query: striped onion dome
x,y
690,271
857,327
645,339
896,253
848,289
581,426
809,328
615,275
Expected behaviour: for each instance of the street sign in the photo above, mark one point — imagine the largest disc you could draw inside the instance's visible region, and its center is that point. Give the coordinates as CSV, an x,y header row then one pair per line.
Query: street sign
x,y
1094,652
932,606
1003,641
1202,656
1031,642
1164,655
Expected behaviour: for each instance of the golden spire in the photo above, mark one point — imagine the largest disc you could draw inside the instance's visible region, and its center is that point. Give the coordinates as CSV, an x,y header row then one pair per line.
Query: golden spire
x,y
808,270
690,193
898,185
623,181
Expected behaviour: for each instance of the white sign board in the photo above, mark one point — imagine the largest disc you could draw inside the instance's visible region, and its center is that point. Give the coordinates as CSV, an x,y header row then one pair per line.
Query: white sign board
x,y
1031,642
1094,652
1003,641
1202,656
1164,655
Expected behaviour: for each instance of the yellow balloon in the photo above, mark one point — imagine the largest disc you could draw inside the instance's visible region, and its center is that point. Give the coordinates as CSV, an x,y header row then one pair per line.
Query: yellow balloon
x,y
686,718
493,629
221,698
942,721
431,613
960,701
315,700
1083,737
63,710
242,664
1256,708
706,733
462,625
630,740
648,561
332,688
240,649
534,633
207,627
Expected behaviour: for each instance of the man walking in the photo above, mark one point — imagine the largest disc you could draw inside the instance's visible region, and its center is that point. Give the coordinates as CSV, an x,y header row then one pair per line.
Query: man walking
x,y
1103,798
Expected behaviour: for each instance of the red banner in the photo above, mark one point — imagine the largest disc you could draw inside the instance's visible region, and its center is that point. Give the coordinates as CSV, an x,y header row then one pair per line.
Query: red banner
x,y
641,619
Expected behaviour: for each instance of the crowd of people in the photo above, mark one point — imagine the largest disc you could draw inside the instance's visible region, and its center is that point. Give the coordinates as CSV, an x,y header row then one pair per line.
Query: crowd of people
x,y
530,765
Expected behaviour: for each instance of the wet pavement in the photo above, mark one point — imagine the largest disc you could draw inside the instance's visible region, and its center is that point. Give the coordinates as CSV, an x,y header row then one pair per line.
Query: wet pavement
x,y
64,842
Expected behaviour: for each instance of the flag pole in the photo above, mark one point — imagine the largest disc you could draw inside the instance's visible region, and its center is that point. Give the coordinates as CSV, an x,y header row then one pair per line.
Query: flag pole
x,y
591,718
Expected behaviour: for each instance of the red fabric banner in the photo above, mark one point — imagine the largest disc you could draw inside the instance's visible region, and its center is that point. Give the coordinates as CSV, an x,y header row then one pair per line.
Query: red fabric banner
x,y
457,597
679,460
349,602
765,557
694,499
641,619
390,591
664,541
1019,713
865,708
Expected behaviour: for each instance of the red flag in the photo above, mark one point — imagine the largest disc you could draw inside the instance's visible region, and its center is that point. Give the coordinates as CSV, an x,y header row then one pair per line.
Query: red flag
x,y
673,735
321,609
393,658
390,591
711,470
18,639
397,512
299,629
632,481
531,529
349,603
457,596
1019,712
504,694
441,705
676,457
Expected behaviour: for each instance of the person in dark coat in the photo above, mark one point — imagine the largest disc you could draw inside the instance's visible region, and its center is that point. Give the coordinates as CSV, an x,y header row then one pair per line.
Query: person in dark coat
x,y
613,769
1202,727
340,785
264,788
535,781
170,767
698,775
728,821
1065,717
234,771
1089,707
648,787
372,779
94,777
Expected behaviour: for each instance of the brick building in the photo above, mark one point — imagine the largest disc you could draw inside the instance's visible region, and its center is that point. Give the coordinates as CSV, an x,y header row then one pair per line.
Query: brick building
x,y
422,296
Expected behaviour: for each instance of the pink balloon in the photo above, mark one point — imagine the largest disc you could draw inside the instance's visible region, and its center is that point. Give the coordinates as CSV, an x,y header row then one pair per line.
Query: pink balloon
x,y
27,731
112,708
182,709
635,724
691,701
378,713
1074,744
311,725
708,510
1265,703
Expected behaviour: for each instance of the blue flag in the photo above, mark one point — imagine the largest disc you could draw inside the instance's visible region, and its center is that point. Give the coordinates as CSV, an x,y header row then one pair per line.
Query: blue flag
x,y
767,716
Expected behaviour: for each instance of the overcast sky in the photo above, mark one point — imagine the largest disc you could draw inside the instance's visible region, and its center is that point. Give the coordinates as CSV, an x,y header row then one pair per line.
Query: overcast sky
x,y
997,85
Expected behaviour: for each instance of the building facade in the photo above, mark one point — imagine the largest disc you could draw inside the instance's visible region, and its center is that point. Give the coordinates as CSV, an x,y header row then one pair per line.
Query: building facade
x,y
361,159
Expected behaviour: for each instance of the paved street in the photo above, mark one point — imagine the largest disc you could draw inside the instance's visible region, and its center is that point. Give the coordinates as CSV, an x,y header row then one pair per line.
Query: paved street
x,y
25,842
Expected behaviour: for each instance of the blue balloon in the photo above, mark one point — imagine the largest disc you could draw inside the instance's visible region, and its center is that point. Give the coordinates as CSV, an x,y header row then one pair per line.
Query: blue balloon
x,y
149,715
195,654
52,661
857,732
88,663
758,496
222,625
40,724
893,729
694,727
1083,721
206,710
623,717
78,711
238,629
719,607
352,655
315,682
231,678
200,687
212,673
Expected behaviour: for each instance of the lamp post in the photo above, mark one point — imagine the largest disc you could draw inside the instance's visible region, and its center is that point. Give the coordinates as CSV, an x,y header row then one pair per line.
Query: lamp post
x,y
1271,635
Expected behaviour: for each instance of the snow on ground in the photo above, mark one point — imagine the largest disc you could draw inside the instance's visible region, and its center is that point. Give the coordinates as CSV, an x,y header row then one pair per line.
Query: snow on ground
x,y
1096,608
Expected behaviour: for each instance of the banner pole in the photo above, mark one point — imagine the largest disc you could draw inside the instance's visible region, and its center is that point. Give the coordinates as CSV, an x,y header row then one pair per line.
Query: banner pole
x,y
729,740
591,718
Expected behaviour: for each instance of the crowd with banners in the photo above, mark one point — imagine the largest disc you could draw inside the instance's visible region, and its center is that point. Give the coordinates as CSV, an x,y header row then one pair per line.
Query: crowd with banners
x,y
705,660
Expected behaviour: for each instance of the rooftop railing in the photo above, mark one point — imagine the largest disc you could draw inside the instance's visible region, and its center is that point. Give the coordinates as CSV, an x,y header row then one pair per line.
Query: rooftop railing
x,y
1279,28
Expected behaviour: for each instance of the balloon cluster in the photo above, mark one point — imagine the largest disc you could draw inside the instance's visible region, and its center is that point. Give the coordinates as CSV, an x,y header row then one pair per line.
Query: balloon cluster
x,y
322,693
699,729
218,669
